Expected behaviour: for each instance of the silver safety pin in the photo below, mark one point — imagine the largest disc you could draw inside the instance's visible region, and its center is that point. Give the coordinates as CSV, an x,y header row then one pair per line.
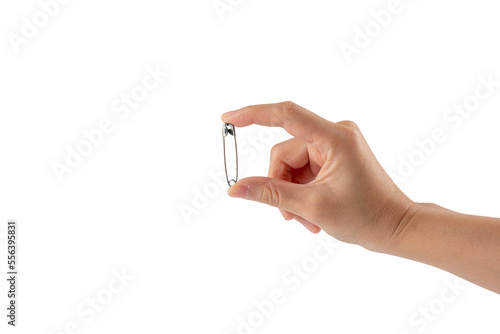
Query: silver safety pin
x,y
228,129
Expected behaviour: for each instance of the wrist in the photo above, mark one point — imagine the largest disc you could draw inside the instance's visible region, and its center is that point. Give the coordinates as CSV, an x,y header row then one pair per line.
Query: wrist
x,y
397,225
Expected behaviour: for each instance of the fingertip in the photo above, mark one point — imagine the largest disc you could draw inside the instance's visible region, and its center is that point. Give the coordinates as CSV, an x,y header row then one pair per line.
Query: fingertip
x,y
287,215
316,229
310,226
226,117
238,191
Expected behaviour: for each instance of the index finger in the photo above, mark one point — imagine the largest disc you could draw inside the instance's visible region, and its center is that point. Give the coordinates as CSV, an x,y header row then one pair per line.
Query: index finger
x,y
297,121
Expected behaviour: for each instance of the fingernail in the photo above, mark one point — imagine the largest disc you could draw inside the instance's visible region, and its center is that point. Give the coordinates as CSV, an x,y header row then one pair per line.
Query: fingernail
x,y
228,114
238,192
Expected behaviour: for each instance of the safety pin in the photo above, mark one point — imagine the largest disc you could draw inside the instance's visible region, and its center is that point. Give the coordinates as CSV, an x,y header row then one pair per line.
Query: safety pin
x,y
228,129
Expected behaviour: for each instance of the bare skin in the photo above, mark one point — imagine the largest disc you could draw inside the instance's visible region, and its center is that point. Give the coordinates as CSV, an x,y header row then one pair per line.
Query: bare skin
x,y
327,178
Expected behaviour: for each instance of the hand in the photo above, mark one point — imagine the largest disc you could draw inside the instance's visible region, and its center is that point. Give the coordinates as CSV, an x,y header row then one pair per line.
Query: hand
x,y
326,177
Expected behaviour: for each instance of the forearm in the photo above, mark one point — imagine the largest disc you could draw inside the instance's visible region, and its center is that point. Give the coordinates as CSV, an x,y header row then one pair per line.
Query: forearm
x,y
467,246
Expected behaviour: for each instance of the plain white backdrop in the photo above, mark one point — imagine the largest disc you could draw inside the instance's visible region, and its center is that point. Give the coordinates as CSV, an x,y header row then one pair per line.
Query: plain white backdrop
x,y
149,200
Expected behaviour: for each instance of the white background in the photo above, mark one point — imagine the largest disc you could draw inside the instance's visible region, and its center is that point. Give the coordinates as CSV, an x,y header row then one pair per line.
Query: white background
x,y
121,207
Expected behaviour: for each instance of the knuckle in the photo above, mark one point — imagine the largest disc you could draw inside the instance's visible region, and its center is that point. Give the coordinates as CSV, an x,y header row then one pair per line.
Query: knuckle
x,y
350,124
271,195
275,151
288,107
350,131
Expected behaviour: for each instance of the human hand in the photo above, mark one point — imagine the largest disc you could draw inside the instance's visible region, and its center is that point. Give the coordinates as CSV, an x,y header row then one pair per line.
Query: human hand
x,y
326,177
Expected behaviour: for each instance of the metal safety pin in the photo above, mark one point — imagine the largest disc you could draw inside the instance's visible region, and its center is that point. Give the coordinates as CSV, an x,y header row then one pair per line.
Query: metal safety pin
x,y
228,129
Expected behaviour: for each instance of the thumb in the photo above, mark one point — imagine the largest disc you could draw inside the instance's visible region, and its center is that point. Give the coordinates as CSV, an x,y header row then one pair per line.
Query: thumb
x,y
275,192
